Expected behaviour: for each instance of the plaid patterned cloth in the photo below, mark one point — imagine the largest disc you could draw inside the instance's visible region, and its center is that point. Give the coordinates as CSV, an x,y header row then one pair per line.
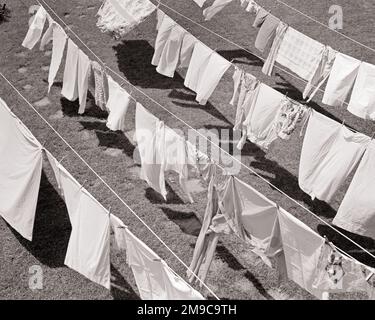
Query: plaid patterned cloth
x,y
299,53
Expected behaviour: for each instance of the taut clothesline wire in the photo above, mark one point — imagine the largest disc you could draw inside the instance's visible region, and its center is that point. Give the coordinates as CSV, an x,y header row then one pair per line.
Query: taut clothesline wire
x,y
244,49
211,142
324,25
108,186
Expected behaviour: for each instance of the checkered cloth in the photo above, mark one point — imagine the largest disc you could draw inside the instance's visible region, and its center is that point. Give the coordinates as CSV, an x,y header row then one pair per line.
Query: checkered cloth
x,y
299,53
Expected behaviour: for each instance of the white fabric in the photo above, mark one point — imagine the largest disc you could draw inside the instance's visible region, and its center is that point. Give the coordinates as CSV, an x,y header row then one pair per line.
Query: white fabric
x,y
176,158
118,103
200,2
36,28
330,152
216,7
341,79
362,101
118,229
70,81
301,250
121,16
84,69
164,30
259,123
357,211
205,71
299,53
89,245
187,48
155,280
215,69
20,172
48,35
171,53
59,40
150,137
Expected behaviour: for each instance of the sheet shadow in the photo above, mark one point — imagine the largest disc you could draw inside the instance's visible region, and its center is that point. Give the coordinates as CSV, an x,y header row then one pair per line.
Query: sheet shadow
x,y
187,221
208,107
70,108
156,198
120,288
134,61
251,59
52,227
108,138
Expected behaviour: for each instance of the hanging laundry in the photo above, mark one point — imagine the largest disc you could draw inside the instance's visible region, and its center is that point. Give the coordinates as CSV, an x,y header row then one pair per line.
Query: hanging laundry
x,y
117,105
301,247
337,273
271,59
341,80
120,17
235,207
118,228
176,158
20,173
101,85
164,30
171,53
357,211
84,71
159,18
329,154
243,93
321,73
36,28
266,32
250,5
269,113
299,53
155,279
205,71
70,80
207,240
48,35
89,245
59,40
260,18
187,47
150,137
362,101
215,8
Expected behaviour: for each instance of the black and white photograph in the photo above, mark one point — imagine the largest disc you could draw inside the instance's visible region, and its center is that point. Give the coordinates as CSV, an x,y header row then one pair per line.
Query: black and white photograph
x,y
187,157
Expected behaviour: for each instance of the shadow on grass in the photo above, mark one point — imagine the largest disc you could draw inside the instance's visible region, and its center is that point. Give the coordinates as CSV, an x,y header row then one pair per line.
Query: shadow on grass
x,y
208,107
134,61
70,108
251,59
120,288
187,221
156,198
108,138
52,227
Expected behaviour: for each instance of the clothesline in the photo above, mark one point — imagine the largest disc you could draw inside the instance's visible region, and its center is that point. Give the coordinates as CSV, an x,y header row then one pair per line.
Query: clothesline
x,y
244,49
324,25
107,185
212,143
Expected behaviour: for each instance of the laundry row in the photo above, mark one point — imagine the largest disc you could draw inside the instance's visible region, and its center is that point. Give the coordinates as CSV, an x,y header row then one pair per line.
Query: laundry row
x,y
263,115
281,240
88,250
310,60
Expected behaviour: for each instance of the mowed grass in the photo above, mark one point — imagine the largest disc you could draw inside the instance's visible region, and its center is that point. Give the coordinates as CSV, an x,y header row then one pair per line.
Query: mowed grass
x,y
236,273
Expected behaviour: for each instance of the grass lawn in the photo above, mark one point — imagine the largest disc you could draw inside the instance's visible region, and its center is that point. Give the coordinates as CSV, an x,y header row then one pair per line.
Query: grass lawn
x,y
236,273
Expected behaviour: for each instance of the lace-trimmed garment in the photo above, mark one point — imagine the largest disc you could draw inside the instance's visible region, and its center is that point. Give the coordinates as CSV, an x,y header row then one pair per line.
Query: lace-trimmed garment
x,y
121,16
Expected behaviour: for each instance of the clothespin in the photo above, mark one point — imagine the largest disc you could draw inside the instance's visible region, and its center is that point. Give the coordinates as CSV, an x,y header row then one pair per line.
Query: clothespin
x,y
343,122
109,212
373,135
63,158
